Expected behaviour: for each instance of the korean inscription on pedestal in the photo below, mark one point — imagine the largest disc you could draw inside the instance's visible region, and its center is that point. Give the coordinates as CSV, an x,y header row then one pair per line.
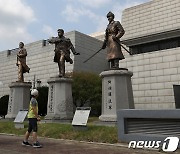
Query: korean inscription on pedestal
x,y
10,102
109,96
51,104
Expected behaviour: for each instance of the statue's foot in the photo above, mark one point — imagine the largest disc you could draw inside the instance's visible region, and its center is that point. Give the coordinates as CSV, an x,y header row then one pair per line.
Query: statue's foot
x,y
71,61
28,70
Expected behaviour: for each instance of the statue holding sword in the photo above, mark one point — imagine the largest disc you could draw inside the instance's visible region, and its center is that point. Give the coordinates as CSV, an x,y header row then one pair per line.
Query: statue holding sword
x,y
113,33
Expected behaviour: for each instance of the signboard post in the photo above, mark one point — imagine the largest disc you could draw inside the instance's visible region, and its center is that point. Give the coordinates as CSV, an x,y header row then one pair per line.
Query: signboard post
x,y
20,119
81,117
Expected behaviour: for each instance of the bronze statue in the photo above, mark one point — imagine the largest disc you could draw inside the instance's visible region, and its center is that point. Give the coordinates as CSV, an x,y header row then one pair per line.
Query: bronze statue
x,y
21,62
63,46
114,32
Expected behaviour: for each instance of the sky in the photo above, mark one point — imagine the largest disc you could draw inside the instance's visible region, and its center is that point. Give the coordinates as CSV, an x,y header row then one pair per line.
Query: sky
x,y
32,20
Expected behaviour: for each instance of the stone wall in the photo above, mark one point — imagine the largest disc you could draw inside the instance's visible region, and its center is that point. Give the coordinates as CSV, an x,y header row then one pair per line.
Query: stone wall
x,y
150,18
153,77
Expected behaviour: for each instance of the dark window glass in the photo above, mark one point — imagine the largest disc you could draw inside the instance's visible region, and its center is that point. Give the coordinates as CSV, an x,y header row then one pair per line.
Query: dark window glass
x,y
155,46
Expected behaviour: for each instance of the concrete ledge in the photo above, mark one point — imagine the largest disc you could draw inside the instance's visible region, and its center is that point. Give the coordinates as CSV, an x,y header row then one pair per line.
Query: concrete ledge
x,y
59,80
120,72
20,84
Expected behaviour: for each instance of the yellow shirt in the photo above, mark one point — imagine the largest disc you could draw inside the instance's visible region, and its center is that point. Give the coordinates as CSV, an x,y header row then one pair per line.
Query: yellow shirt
x,y
33,103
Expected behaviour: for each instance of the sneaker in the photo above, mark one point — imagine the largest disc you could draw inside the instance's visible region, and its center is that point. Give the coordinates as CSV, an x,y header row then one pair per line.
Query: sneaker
x,y
37,145
26,143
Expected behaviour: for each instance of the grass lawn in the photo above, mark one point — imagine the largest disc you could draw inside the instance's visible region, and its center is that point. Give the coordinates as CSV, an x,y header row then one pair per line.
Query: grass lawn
x,y
103,134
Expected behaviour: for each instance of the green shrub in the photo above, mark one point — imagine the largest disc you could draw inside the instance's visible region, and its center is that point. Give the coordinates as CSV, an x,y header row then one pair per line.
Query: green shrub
x,y
87,89
4,104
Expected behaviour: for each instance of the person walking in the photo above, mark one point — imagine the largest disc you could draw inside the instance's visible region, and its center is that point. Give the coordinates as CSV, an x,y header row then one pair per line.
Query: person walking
x,y
33,117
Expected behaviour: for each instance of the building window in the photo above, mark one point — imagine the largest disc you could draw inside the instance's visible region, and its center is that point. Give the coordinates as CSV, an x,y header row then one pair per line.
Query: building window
x,y
44,42
155,46
8,52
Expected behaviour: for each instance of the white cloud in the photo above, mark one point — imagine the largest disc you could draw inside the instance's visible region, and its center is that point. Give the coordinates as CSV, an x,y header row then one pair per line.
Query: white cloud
x,y
73,14
48,30
94,3
15,17
91,3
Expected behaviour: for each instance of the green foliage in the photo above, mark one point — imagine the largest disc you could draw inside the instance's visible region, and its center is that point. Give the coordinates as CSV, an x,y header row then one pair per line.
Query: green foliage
x,y
87,88
42,100
4,104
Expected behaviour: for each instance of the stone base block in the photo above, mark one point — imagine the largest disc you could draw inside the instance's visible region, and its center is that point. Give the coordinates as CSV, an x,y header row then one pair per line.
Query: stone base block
x,y
19,98
19,125
107,118
60,102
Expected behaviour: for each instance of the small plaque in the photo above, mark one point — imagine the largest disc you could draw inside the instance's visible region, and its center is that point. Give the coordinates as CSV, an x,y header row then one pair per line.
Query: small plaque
x,y
21,116
81,116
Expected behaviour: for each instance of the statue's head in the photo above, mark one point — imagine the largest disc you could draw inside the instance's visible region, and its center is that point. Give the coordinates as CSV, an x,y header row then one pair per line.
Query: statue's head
x,y
21,44
110,16
60,32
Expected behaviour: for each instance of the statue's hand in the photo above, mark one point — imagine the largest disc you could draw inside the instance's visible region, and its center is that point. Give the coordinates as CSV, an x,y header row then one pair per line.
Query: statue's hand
x,y
104,45
114,37
76,53
130,53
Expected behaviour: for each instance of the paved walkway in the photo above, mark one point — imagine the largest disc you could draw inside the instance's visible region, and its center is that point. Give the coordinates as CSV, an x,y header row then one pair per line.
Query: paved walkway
x,y
10,144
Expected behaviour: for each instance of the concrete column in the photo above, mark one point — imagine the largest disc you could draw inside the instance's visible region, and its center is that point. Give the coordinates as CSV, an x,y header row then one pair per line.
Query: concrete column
x,y
116,93
19,98
60,102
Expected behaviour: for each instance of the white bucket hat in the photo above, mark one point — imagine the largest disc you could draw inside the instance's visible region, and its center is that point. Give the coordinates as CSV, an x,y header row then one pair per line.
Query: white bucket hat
x,y
34,92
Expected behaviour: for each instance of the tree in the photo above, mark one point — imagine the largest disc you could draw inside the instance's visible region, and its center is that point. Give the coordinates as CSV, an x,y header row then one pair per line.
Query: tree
x,y
87,89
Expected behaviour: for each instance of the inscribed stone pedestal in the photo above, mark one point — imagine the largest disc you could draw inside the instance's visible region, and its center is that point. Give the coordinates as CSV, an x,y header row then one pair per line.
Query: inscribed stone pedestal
x,y
116,93
60,102
19,98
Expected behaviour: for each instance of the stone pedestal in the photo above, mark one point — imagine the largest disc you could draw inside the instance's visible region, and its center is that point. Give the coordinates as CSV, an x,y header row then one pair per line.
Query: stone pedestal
x,y
19,98
116,93
60,102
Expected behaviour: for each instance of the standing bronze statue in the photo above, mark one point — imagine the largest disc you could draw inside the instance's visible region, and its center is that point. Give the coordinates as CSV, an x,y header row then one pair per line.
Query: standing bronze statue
x,y
114,32
21,62
63,46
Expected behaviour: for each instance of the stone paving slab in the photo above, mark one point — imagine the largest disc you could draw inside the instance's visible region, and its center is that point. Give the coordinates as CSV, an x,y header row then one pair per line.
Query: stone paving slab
x,y
11,144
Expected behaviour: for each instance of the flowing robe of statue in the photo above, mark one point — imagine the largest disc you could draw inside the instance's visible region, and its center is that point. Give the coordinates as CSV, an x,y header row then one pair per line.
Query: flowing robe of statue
x,y
113,46
21,63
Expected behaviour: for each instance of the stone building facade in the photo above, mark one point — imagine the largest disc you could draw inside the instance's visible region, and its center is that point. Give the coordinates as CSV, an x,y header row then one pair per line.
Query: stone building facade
x,y
153,37
40,60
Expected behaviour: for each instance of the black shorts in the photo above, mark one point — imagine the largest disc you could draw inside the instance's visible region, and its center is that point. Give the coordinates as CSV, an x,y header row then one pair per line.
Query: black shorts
x,y
32,125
